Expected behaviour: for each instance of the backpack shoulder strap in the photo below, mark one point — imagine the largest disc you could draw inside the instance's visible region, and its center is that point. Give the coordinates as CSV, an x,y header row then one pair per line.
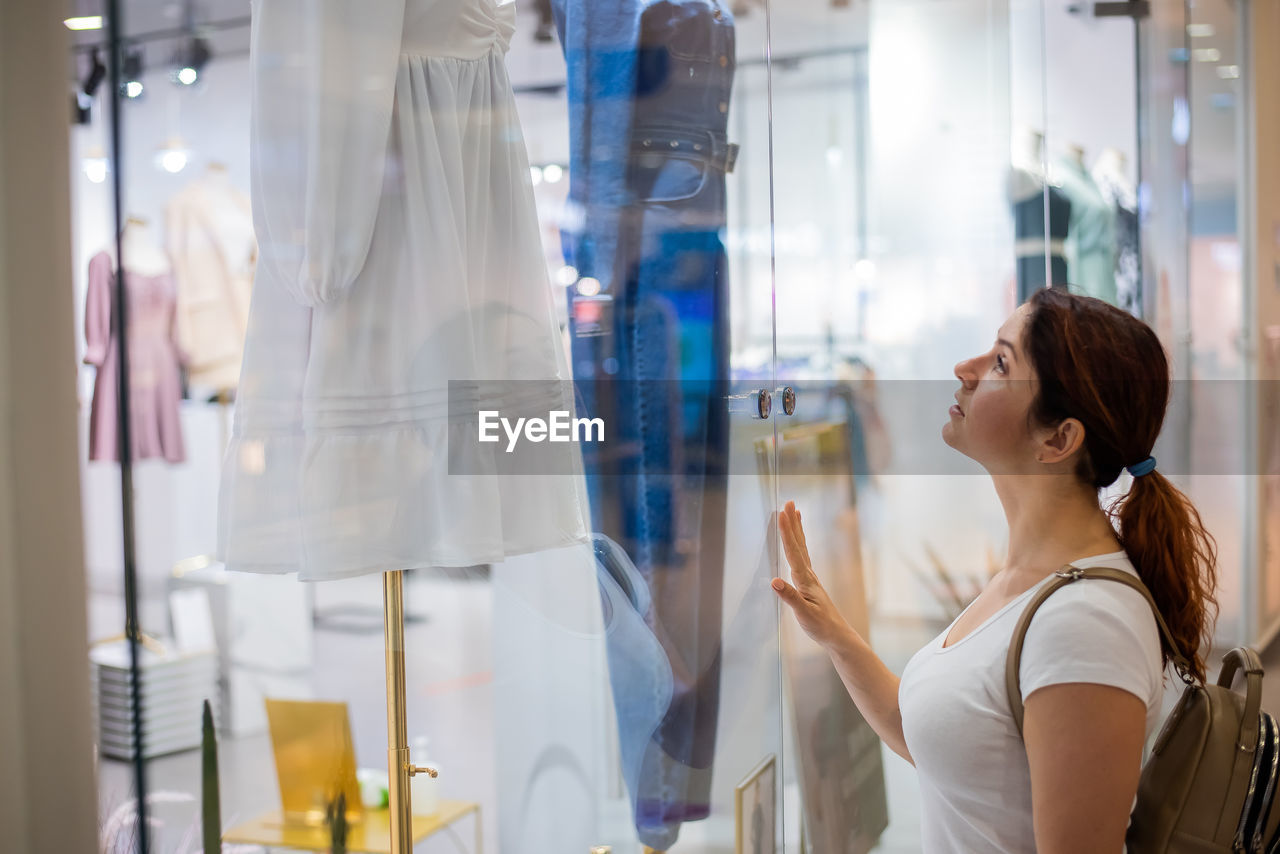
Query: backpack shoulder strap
x,y
1067,575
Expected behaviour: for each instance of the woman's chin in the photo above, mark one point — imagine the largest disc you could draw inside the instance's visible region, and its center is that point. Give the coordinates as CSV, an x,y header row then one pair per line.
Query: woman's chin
x,y
948,434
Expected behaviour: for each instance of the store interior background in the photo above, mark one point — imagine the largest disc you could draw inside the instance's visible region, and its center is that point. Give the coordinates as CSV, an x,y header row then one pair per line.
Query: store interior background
x,y
902,113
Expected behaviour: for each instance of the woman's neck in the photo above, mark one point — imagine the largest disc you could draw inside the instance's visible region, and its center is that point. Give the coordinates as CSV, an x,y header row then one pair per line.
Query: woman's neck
x,y
1052,521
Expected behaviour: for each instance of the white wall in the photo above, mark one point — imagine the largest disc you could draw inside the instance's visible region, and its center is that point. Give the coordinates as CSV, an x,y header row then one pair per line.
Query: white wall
x,y
48,799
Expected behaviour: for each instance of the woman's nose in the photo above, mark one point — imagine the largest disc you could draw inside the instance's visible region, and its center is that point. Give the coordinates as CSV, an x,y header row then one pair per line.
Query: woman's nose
x,y
965,372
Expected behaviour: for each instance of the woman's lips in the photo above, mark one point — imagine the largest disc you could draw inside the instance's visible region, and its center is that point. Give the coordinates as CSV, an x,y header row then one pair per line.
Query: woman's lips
x,y
956,411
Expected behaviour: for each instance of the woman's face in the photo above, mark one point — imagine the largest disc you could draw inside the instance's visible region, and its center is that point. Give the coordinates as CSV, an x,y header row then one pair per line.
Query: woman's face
x,y
989,421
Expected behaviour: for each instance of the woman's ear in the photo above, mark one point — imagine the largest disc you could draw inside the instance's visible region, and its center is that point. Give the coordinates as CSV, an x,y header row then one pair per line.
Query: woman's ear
x,y
1060,443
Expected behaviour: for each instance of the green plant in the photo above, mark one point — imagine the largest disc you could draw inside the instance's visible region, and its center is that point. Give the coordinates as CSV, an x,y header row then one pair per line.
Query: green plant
x,y
210,802
337,819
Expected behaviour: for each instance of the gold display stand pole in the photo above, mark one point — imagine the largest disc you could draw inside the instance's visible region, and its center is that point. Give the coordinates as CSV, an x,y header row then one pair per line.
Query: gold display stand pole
x,y
400,768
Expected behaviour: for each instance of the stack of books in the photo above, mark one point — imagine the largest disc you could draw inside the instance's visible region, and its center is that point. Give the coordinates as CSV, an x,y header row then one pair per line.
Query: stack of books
x,y
174,687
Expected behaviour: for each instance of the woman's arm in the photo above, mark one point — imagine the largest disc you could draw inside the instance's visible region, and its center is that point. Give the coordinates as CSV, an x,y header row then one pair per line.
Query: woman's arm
x,y
873,687
1084,745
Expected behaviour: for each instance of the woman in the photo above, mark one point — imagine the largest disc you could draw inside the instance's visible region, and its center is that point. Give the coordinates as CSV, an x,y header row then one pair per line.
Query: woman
x,y
1072,391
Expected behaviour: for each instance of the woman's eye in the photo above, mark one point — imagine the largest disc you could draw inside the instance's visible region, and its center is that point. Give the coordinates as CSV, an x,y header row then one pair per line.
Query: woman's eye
x,y
1000,363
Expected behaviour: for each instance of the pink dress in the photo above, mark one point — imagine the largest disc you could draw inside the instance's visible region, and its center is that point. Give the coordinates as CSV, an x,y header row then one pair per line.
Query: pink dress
x,y
155,384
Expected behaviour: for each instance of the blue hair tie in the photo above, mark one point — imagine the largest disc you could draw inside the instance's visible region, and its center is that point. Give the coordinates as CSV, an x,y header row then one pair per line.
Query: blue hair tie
x,y
1145,467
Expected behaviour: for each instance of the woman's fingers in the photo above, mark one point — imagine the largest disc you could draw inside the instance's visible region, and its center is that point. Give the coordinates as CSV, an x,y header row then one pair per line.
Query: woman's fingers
x,y
793,545
786,592
797,557
804,544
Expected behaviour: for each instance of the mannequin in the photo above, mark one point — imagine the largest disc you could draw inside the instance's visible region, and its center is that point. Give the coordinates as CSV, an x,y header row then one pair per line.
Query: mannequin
x,y
1027,151
1111,174
1091,233
1040,252
142,254
400,261
155,383
209,230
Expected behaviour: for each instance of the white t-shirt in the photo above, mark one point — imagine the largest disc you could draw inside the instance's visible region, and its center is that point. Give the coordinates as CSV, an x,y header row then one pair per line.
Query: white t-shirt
x,y
975,785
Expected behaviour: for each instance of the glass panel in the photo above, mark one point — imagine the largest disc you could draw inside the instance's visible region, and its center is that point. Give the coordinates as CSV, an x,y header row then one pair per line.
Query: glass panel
x,y
751,240
344,244
654,351
1260,189
1218,369
899,252
122,436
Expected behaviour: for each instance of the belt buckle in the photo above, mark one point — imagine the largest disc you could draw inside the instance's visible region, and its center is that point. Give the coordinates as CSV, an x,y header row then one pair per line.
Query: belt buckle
x,y
730,157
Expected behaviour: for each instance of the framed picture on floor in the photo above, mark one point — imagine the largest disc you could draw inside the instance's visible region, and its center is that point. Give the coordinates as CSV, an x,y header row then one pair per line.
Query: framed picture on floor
x,y
755,809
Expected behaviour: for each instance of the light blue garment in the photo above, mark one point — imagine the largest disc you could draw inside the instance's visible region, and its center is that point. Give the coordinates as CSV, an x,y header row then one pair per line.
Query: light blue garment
x,y
1091,234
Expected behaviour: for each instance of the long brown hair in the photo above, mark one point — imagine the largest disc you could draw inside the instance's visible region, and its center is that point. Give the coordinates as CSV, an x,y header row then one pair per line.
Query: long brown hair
x,y
1106,368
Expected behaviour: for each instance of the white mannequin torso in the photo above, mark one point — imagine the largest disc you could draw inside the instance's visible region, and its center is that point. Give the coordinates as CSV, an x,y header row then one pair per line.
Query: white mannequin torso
x,y
142,255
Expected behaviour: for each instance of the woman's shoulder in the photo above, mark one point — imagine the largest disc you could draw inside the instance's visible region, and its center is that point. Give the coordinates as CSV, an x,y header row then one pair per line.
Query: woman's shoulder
x,y
1096,613
1103,593
1095,630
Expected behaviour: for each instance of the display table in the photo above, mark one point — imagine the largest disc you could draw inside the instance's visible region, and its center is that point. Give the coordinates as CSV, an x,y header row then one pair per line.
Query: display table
x,y
371,835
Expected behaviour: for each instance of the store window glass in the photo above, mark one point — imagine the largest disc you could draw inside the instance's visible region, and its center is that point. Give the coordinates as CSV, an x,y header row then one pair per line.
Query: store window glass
x,y
1216,73
370,251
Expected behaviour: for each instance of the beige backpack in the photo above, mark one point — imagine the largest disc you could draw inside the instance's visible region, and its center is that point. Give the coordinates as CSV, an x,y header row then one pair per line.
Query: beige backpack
x,y
1211,780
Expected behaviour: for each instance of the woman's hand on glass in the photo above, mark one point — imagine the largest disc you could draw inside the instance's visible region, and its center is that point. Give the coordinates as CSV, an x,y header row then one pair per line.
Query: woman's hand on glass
x,y
814,610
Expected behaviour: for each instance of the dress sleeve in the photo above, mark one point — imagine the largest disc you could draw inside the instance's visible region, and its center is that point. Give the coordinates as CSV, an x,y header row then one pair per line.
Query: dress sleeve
x,y
323,86
97,310
1083,633
176,234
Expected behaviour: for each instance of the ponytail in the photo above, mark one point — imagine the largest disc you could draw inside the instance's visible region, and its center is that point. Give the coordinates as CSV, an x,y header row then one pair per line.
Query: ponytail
x,y
1161,532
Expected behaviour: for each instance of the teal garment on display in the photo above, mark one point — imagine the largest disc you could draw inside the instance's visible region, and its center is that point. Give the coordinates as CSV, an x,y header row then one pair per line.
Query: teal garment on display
x,y
1123,198
1091,234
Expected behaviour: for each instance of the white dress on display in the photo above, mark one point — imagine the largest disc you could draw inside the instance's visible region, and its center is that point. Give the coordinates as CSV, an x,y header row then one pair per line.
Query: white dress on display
x,y
400,266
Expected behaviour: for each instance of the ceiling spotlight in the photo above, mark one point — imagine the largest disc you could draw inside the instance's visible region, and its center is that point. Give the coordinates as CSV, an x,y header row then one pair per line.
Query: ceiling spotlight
x,y
190,60
131,71
1200,31
553,173
1207,54
97,73
95,164
82,101
87,22
173,156
1229,72
535,175
567,275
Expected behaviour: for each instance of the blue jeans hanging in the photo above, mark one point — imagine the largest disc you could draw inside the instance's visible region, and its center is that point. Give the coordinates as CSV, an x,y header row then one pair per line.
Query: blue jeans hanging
x,y
651,357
